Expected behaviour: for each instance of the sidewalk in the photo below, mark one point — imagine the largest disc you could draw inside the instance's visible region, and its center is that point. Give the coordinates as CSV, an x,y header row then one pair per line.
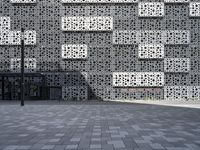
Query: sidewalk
x,y
48,125
175,103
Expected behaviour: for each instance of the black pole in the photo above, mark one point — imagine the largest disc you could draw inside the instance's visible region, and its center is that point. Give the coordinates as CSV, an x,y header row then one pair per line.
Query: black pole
x,y
3,96
22,67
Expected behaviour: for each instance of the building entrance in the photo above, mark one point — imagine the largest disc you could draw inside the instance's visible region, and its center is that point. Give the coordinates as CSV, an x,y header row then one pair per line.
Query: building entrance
x,y
34,88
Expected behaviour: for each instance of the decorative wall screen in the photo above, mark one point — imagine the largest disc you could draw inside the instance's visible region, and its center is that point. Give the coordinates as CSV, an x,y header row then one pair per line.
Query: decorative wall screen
x,y
129,49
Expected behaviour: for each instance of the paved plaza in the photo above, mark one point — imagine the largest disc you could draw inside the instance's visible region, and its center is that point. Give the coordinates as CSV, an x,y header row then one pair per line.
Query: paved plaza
x,y
102,126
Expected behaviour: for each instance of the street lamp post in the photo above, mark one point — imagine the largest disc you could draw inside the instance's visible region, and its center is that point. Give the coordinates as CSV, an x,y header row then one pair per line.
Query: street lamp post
x,y
22,67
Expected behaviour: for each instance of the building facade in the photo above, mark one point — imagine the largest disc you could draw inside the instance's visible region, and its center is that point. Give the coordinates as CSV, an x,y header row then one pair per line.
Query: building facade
x,y
102,49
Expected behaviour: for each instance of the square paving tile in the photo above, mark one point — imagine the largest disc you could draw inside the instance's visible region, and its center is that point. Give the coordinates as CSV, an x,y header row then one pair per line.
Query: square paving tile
x,y
104,127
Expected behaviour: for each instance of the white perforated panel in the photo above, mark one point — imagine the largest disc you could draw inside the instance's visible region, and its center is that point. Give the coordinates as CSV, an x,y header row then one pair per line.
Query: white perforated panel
x,y
4,23
156,37
29,64
177,64
176,1
74,51
151,51
176,37
30,37
4,37
15,37
150,36
23,1
87,23
99,1
151,9
195,9
138,79
194,92
125,37
181,92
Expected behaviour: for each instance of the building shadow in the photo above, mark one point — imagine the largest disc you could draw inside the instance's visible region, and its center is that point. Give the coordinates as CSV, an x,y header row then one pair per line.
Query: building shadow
x,y
69,86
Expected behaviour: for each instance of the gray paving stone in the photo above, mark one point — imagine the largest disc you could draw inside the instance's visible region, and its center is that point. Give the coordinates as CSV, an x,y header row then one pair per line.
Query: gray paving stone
x,y
95,139
54,140
95,146
107,147
60,134
105,127
71,146
48,146
75,139
117,144
59,147
24,147
10,147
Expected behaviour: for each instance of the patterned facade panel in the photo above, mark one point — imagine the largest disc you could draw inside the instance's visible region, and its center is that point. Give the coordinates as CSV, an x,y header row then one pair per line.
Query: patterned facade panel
x,y
195,9
123,37
120,46
23,1
150,36
171,37
138,79
15,37
74,93
74,51
121,79
87,23
151,9
30,37
177,65
176,1
181,92
4,23
4,37
99,1
176,37
150,51
30,64
194,92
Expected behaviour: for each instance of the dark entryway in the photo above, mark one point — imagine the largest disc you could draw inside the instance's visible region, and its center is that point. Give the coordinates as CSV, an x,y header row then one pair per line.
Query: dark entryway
x,y
54,93
35,86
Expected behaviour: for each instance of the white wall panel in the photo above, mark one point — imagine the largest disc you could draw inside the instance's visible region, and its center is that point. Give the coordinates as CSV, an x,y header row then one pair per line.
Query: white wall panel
x,y
138,79
15,37
150,36
176,37
23,1
151,51
4,23
176,64
151,9
181,92
29,64
176,1
87,23
4,37
195,9
73,51
125,37
30,37
99,1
